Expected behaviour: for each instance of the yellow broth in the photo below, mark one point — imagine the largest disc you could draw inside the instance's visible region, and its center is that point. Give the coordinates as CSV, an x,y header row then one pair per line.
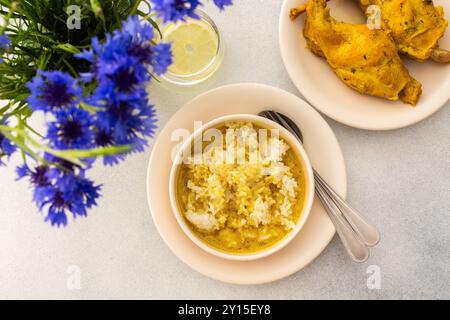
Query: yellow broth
x,y
232,235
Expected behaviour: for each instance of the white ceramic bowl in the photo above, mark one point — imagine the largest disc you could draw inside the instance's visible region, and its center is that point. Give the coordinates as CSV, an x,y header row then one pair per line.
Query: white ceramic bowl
x,y
296,147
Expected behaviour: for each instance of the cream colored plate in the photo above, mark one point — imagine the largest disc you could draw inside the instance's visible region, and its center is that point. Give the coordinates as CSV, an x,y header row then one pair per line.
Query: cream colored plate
x,y
324,90
320,144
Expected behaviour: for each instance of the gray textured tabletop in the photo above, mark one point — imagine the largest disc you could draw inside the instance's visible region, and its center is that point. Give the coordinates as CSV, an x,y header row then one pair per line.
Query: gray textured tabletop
x,y
399,179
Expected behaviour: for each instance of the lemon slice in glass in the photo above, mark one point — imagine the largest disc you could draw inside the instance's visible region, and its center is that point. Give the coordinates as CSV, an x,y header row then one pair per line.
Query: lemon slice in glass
x,y
194,46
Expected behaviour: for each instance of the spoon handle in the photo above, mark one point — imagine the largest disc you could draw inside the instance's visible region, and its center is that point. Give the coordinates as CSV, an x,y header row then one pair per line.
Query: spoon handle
x,y
355,232
355,247
368,233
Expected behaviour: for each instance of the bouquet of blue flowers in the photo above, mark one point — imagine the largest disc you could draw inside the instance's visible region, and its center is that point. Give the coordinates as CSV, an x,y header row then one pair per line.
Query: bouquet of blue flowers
x,y
85,65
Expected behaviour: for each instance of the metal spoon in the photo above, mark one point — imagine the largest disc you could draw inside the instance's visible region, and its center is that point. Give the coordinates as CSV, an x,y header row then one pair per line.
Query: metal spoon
x,y
355,232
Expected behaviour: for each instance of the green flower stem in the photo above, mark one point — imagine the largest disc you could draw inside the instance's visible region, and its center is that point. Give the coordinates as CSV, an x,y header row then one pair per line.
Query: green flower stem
x,y
74,155
6,131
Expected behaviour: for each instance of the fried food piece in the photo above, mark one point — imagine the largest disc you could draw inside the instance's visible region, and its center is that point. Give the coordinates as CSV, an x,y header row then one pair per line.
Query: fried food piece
x,y
365,59
416,27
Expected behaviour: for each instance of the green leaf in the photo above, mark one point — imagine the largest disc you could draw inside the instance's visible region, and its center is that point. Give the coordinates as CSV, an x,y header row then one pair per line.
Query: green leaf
x,y
97,9
67,47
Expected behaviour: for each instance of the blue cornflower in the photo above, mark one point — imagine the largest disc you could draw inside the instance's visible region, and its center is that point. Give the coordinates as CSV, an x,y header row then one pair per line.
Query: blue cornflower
x,y
72,129
53,90
77,192
127,118
126,55
4,42
6,147
120,70
40,180
102,57
60,191
57,208
139,31
161,58
103,138
223,3
127,76
141,50
107,61
175,10
90,54
113,51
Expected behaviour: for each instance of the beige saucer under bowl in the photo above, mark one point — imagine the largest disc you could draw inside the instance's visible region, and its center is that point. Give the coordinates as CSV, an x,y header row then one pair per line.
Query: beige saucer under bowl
x,y
324,154
301,156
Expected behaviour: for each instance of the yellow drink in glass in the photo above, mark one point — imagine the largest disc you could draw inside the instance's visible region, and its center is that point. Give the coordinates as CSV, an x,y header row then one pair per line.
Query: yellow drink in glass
x,y
197,50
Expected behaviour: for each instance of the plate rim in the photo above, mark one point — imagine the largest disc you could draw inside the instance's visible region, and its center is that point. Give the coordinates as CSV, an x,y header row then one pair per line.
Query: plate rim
x,y
209,273
442,100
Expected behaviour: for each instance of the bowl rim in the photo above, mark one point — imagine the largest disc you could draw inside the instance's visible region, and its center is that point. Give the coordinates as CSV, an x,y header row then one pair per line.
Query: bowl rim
x,y
300,153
